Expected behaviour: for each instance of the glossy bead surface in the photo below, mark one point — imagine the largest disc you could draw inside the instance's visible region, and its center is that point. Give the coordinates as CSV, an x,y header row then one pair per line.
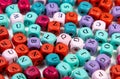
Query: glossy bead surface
x,y
18,76
4,21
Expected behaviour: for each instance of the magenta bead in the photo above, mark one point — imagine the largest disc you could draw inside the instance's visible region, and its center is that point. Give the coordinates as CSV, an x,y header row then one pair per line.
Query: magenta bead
x,y
66,78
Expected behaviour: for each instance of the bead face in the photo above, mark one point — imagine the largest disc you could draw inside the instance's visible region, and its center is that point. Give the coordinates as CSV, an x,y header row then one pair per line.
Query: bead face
x,y
18,76
66,7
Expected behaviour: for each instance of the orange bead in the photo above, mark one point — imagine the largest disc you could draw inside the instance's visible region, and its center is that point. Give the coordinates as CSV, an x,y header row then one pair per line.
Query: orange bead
x,y
71,17
21,49
54,27
1,76
61,49
79,1
106,5
19,38
5,44
117,2
36,57
47,49
107,18
3,33
94,2
95,12
13,69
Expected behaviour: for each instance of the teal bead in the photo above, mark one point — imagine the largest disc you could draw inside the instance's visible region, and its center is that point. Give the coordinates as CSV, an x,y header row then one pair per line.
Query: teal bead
x,y
64,69
54,1
38,8
24,62
66,7
79,73
30,18
70,28
101,36
72,60
107,49
115,40
12,9
34,30
85,33
4,21
72,2
83,56
18,27
48,38
84,8
52,59
18,76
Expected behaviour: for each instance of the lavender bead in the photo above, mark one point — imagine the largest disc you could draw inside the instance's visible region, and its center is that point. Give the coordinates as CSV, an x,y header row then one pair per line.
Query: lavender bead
x,y
91,45
104,61
51,8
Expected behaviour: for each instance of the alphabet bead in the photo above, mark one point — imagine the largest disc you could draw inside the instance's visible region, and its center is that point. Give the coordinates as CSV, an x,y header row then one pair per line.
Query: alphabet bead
x,y
4,21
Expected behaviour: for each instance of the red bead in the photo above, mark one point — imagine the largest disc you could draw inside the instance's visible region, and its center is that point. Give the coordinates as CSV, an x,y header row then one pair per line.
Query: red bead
x,y
117,2
1,76
94,2
5,3
32,72
51,73
24,6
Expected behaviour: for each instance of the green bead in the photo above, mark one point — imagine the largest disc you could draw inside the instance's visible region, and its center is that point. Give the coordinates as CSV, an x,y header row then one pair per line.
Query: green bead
x,y
24,62
18,76
54,1
72,60
48,38
38,8
30,18
66,7
85,33
34,30
84,8
18,27
64,69
70,28
101,36
72,2
107,49
115,40
12,9
83,56
4,21
79,73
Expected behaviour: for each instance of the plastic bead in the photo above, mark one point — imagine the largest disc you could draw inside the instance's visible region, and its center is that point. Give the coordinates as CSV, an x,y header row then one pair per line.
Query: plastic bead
x,y
34,30
1,76
5,3
79,73
66,7
84,8
30,18
3,33
18,76
24,62
38,8
42,1
54,1
86,21
4,21
70,28
72,2
52,59
83,56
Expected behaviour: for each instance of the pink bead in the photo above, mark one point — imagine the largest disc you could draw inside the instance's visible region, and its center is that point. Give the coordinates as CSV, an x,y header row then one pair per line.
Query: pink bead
x,y
64,38
42,1
100,74
66,78
51,73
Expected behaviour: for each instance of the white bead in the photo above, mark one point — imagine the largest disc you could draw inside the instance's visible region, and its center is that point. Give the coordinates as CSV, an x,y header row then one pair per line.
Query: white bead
x,y
10,55
42,1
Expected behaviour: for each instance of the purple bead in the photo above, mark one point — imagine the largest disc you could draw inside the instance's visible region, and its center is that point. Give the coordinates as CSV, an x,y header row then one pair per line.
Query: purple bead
x,y
33,43
91,45
51,8
104,61
86,21
66,78
113,28
91,66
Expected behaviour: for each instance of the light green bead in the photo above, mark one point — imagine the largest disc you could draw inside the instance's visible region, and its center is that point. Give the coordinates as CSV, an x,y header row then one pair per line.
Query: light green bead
x,y
107,49
30,18
18,27
12,9
64,69
34,30
66,7
79,73
85,33
83,56
24,62
18,76
48,38
115,40
4,21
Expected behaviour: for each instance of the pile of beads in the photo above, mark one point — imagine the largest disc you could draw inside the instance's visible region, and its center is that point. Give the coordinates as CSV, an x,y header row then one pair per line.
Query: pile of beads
x,y
63,39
